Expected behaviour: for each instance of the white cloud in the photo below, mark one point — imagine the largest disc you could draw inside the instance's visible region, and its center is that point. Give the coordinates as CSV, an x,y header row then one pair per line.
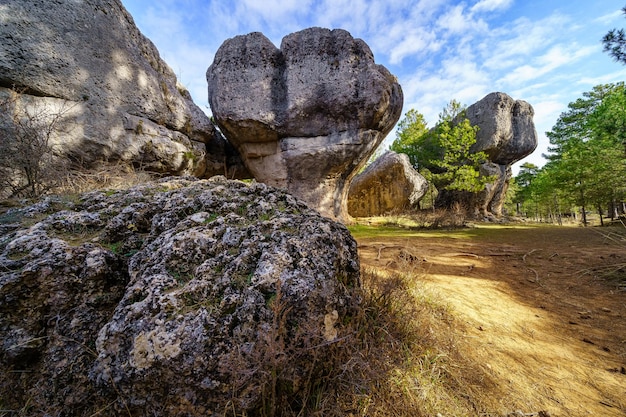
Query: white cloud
x,y
553,59
603,79
413,44
456,21
607,19
491,5
511,45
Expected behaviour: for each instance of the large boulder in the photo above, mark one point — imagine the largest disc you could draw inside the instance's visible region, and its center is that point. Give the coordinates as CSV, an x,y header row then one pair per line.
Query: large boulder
x,y
179,297
506,134
307,116
87,62
389,184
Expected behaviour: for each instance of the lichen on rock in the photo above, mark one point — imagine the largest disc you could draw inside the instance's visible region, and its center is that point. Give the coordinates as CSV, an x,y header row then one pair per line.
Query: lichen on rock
x,y
178,295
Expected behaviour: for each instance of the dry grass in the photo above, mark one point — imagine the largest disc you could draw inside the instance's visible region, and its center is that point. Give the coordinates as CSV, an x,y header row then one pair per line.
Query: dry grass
x,y
407,358
422,219
541,309
115,177
402,356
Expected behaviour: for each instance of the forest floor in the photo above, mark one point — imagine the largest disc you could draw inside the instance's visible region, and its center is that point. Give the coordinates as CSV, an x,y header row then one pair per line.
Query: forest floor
x,y
542,309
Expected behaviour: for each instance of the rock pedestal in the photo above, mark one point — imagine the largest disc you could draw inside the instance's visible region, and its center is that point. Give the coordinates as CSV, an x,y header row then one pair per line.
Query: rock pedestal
x,y
307,116
506,134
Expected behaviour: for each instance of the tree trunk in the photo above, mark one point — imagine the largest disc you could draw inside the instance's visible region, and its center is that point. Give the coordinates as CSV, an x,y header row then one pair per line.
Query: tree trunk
x,y
600,214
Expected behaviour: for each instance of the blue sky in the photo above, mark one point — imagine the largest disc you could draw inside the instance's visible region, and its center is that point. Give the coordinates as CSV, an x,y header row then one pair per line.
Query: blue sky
x,y
547,52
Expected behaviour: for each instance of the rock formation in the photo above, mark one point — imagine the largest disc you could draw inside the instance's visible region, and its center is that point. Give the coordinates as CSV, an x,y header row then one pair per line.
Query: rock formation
x,y
119,99
506,134
390,184
170,298
307,116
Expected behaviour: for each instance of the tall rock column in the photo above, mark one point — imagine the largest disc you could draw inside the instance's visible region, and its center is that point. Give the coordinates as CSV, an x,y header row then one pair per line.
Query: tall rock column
x,y
307,116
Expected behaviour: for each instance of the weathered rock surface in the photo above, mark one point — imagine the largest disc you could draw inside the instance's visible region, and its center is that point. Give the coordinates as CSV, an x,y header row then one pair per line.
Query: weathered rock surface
x,y
307,116
171,298
390,184
491,200
119,100
506,134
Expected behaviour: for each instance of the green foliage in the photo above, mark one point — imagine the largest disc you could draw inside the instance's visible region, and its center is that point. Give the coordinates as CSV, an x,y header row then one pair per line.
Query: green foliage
x,y
586,167
459,166
443,154
410,138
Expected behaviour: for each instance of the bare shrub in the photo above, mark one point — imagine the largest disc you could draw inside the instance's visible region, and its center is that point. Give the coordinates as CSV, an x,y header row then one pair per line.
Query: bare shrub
x,y
29,165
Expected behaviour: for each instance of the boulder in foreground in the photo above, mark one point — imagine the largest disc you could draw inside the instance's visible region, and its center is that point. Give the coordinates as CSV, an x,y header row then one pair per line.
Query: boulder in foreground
x,y
171,298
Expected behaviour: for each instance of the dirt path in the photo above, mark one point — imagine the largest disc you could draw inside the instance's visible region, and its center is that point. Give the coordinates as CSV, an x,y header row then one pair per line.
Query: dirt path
x,y
551,335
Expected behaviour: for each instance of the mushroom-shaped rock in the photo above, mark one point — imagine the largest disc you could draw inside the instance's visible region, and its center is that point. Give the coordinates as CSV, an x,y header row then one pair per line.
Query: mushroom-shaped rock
x,y
506,129
390,184
307,116
507,134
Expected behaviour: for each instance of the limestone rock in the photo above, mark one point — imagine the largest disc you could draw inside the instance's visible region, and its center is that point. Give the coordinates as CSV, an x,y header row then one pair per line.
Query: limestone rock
x,y
491,200
390,184
507,132
307,116
170,298
119,99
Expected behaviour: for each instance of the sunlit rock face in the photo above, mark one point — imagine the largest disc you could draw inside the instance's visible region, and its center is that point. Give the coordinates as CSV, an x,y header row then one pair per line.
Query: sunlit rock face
x,y
506,132
307,116
389,185
119,99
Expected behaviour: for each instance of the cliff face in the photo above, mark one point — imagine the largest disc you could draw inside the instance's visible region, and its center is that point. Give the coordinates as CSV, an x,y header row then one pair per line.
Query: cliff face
x,y
121,101
171,298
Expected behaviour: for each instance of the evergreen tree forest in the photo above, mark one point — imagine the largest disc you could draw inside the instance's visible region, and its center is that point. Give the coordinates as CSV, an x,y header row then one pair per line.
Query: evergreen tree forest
x,y
586,168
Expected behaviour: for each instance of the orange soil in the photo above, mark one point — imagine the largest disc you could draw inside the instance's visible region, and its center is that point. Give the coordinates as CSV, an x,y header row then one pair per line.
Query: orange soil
x,y
540,319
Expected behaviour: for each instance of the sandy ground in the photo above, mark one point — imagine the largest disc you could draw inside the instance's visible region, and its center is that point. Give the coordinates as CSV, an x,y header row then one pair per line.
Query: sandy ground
x,y
544,308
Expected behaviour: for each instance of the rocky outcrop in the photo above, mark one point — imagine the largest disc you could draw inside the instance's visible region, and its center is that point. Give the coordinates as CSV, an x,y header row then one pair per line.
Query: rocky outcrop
x,y
87,61
506,134
171,298
307,116
389,184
